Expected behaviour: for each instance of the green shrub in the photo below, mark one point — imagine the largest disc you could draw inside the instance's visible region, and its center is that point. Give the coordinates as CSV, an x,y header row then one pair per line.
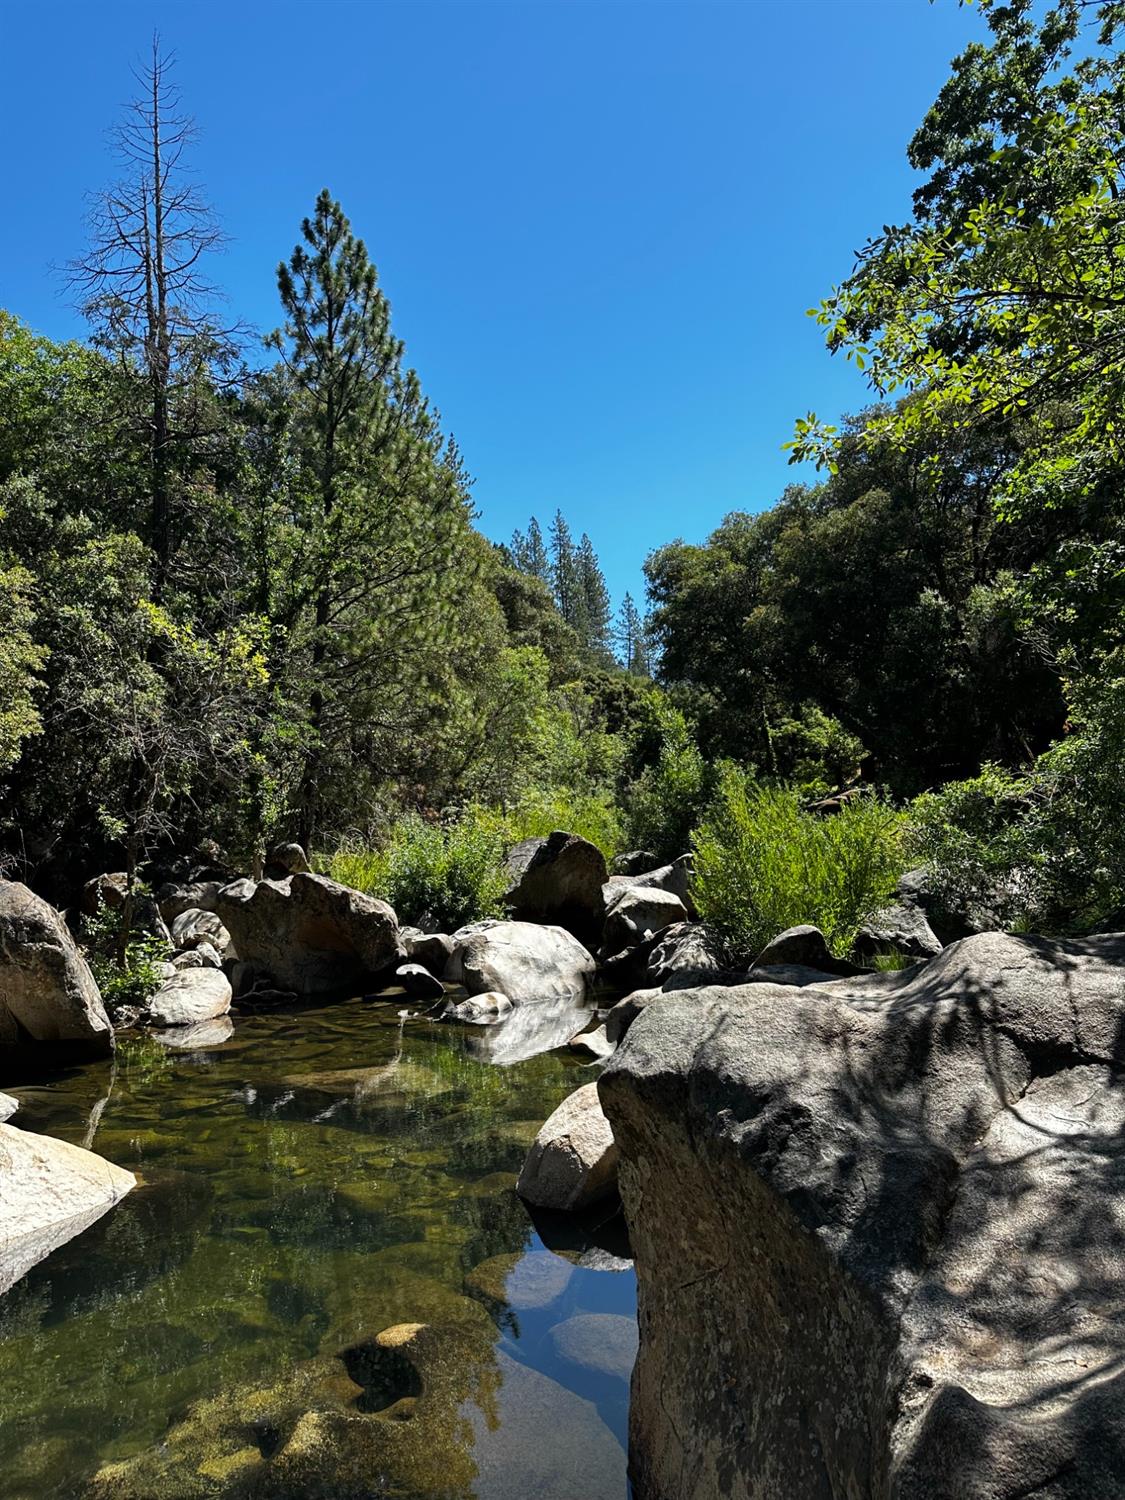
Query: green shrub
x,y
762,864
131,978
665,802
361,868
974,838
1045,849
591,815
450,874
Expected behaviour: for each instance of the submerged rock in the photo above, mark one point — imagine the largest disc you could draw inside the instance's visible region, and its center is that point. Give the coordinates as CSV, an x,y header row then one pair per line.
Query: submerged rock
x,y
521,960
429,1411
878,1230
574,1159
48,997
310,935
605,1343
49,1192
520,1281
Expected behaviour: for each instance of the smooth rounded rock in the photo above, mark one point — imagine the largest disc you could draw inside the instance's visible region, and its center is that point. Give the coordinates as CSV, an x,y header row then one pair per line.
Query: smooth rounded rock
x,y
194,995
47,992
603,1342
49,1192
521,960
573,1161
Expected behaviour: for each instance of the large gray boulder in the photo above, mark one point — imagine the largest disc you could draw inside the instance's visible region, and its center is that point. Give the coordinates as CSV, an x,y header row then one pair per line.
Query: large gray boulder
x,y
309,935
638,911
558,880
632,862
49,1192
878,1227
689,954
191,996
48,996
897,929
522,960
805,945
195,926
199,895
573,1161
430,949
674,877
286,859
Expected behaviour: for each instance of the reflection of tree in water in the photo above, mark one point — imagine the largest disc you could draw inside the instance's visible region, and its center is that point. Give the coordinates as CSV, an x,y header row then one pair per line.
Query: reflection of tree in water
x,y
278,1240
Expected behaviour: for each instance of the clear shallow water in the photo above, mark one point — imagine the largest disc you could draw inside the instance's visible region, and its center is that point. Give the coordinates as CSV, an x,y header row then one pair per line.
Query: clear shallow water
x,y
321,1176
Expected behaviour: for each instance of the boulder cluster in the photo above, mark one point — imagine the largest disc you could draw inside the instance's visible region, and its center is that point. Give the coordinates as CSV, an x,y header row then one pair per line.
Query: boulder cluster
x,y
878,1218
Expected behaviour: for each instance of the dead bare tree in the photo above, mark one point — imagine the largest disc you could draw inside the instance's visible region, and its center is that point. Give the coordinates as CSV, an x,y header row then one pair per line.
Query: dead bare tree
x,y
142,282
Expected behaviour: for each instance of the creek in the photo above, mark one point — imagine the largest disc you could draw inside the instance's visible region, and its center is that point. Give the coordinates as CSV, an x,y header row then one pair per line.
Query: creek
x,y
318,1177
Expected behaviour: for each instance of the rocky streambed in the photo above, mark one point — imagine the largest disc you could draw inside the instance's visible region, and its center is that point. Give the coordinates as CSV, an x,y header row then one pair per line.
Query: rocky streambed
x,y
309,1190
877,1217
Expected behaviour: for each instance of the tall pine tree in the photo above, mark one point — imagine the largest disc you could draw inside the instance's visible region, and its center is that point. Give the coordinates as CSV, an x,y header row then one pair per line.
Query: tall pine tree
x,y
382,505
596,610
631,639
529,553
564,575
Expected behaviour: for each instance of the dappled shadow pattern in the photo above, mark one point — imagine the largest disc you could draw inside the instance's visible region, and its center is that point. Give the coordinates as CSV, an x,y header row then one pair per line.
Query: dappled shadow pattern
x,y
879,1227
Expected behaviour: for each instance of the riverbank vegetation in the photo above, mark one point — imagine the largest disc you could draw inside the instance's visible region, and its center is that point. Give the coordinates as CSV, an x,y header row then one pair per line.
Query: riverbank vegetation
x,y
245,597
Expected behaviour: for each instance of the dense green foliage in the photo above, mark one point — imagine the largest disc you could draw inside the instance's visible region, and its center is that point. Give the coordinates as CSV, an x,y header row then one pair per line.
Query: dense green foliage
x,y
249,601
451,873
764,864
126,963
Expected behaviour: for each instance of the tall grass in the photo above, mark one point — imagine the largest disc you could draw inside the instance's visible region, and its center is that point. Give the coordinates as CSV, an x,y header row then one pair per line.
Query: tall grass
x,y
452,873
762,864
590,815
443,874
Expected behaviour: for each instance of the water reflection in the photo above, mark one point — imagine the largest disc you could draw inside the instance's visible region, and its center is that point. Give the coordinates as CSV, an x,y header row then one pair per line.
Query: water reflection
x,y
314,1181
528,1030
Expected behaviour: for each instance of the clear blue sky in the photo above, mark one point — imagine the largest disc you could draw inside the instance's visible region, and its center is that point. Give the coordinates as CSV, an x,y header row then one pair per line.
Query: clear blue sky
x,y
599,222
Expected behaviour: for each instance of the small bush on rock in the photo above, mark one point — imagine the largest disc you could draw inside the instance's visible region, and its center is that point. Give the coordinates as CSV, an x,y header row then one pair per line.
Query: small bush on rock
x,y
763,864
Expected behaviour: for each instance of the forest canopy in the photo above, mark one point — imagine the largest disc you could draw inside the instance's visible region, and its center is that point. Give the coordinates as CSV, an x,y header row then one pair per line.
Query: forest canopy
x,y
246,598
